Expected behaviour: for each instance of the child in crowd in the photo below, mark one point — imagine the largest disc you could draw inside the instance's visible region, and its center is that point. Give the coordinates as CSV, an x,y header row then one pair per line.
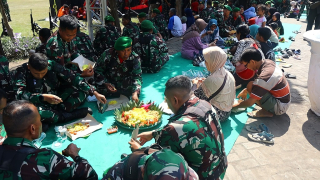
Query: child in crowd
x,y
3,104
263,36
274,38
274,27
261,19
276,19
294,12
184,25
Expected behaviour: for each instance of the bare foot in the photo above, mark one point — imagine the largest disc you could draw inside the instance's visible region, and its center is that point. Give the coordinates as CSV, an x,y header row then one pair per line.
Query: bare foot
x,y
260,113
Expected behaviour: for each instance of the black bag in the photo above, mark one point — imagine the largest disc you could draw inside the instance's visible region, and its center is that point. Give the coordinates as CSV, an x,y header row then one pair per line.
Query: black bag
x,y
197,58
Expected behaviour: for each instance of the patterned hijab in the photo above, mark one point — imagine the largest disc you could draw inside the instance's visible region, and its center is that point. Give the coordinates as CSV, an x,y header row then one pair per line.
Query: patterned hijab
x,y
208,28
168,165
215,59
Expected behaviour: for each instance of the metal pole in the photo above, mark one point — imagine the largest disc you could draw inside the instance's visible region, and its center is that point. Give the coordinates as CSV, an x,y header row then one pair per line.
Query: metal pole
x,y
89,19
104,10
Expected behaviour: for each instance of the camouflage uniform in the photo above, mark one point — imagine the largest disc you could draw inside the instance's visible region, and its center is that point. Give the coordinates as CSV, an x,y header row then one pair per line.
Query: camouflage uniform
x,y
6,9
285,9
132,31
85,47
305,4
126,76
105,38
224,24
48,164
152,51
190,136
162,167
62,52
161,24
236,23
205,14
6,78
72,89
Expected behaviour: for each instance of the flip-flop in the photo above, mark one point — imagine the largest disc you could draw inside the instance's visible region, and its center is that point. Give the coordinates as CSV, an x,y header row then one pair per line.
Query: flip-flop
x,y
286,65
262,127
288,75
253,114
261,137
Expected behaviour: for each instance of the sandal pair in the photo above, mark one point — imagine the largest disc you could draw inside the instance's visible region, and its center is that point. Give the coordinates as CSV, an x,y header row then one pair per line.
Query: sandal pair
x,y
262,137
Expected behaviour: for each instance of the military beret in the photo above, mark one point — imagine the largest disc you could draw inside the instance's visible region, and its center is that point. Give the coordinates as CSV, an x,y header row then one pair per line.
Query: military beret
x,y
109,18
236,9
122,43
253,2
141,15
227,7
268,2
147,25
216,2
155,10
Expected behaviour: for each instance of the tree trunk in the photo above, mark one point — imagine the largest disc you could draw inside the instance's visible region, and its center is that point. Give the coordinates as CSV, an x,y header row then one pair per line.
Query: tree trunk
x,y
178,7
1,48
5,21
114,12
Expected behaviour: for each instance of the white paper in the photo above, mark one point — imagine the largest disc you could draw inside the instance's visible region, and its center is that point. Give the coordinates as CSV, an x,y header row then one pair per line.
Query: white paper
x,y
80,60
165,108
94,125
120,100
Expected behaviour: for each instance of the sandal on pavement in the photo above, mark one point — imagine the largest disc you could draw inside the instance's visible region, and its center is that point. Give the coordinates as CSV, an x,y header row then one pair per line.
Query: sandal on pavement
x,y
261,137
286,56
286,65
297,57
262,127
288,75
256,114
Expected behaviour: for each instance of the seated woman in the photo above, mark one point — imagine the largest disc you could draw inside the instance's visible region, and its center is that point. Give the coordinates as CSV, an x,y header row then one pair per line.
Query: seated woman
x,y
191,42
276,19
211,33
218,88
190,18
253,30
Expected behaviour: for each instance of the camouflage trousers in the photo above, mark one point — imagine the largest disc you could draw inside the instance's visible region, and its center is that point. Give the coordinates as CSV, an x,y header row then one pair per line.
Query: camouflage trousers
x,y
154,67
126,92
72,98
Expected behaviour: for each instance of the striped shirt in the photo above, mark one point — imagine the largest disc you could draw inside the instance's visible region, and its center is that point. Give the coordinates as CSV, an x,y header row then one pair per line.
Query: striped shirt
x,y
271,79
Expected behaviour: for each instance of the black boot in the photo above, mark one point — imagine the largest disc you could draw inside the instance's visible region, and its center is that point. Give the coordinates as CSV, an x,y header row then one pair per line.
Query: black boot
x,y
75,114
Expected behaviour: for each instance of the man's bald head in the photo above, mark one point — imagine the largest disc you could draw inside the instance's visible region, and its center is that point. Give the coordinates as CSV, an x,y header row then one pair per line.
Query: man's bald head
x,y
19,116
178,91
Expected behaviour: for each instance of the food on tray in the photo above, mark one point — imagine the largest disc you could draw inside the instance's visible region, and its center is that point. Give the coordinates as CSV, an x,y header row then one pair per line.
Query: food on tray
x,y
86,66
77,127
138,114
113,102
112,129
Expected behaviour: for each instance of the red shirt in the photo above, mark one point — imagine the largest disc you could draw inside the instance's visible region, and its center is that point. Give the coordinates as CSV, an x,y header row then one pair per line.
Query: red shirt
x,y
194,6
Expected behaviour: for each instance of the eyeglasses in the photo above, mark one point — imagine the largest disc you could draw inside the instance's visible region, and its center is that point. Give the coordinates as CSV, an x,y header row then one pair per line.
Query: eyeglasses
x,y
246,66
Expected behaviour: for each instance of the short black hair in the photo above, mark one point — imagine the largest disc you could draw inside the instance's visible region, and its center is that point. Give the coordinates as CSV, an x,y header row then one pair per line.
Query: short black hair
x,y
17,116
65,6
179,82
3,94
38,61
251,53
264,32
45,33
209,2
262,7
127,17
173,10
68,22
274,26
244,30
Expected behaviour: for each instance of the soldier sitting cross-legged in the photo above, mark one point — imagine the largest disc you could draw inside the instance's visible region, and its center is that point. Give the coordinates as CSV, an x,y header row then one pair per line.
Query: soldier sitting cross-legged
x,y
20,159
53,89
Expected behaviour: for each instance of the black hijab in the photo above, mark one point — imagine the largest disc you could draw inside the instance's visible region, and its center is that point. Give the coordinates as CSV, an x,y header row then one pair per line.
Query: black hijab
x,y
271,11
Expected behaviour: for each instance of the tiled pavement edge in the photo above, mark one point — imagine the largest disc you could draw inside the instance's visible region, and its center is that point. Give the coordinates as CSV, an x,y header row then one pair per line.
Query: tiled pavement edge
x,y
296,152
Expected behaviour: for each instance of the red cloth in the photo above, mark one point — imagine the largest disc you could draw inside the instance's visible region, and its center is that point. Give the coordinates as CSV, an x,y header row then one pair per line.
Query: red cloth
x,y
139,7
194,6
252,21
276,32
246,74
120,59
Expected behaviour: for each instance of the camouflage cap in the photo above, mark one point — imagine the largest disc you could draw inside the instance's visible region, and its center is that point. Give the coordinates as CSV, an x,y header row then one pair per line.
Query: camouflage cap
x,y
156,10
109,18
168,165
122,43
142,14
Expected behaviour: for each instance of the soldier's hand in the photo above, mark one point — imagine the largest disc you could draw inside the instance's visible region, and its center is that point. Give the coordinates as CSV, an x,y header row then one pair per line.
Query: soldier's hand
x,y
145,137
110,87
135,96
72,150
101,98
134,145
87,73
51,99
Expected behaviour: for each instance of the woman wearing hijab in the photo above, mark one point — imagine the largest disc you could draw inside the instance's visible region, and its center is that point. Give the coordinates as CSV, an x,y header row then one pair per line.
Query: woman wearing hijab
x,y
191,42
276,19
190,18
218,88
210,33
270,13
253,30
